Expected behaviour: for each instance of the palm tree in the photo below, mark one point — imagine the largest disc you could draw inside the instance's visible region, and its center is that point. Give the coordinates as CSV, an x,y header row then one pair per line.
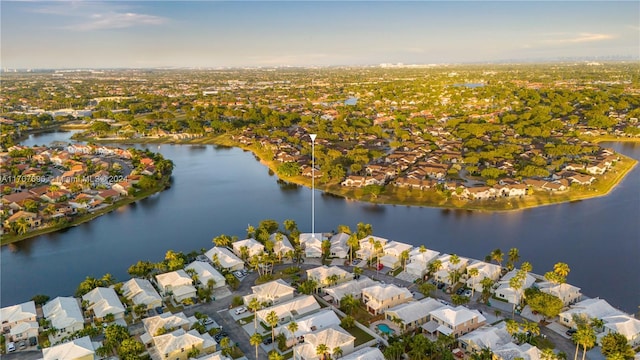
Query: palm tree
x,y
497,256
293,327
255,340
561,270
274,355
512,327
516,283
435,266
357,271
321,350
108,279
422,249
532,328
21,226
526,267
224,345
337,352
473,273
272,320
404,256
586,337
348,303
222,240
332,279
254,305
352,243
514,256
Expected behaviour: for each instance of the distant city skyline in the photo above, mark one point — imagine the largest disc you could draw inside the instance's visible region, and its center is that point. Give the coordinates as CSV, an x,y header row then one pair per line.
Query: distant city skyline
x,y
146,34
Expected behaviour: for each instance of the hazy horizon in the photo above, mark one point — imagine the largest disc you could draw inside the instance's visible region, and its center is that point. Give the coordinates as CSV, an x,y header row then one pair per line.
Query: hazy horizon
x,y
201,34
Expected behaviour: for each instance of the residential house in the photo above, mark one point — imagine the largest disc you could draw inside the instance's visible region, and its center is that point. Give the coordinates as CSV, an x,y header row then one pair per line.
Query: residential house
x,y
281,244
569,294
588,309
178,344
326,276
379,297
456,321
419,259
392,254
367,247
103,301
141,292
205,273
353,287
291,309
339,247
252,245
332,337
165,323
409,316
625,325
312,244
367,353
511,351
448,268
221,257
78,349
65,315
32,219
481,192
485,270
509,294
317,321
485,337
19,321
177,284
272,292
582,179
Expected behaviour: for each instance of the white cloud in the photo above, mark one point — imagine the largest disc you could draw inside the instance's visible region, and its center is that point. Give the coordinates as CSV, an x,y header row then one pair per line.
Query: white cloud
x,y
579,38
114,20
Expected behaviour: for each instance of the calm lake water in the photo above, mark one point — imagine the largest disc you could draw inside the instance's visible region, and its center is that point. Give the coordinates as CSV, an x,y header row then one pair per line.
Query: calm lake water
x,y
222,190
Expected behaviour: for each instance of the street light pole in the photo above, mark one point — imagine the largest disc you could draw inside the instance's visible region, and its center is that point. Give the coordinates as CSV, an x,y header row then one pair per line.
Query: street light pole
x,y
313,182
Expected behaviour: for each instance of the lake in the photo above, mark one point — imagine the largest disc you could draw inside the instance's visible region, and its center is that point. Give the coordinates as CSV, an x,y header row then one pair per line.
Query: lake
x,y
222,190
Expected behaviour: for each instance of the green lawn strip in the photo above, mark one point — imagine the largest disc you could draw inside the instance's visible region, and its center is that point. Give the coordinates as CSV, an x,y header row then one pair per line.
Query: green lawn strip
x,y
360,335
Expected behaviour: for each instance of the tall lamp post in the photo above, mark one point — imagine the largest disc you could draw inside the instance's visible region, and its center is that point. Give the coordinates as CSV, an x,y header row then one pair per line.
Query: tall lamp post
x,y
313,182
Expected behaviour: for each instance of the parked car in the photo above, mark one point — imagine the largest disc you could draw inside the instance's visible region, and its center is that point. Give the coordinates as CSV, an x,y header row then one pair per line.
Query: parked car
x,y
570,332
207,321
11,347
241,310
267,341
22,345
159,310
33,341
467,293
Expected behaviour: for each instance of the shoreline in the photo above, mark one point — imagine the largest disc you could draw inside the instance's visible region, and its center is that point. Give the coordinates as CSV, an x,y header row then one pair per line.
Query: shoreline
x,y
433,199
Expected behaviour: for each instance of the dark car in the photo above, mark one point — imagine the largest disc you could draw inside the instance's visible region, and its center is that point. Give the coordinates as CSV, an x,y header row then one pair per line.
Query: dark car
x,y
570,332
460,291
33,341
267,341
441,285
159,310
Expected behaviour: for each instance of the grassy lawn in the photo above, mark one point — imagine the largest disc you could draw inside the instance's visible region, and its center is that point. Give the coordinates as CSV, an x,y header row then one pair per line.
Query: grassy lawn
x,y
246,320
362,315
361,336
543,343
173,309
236,353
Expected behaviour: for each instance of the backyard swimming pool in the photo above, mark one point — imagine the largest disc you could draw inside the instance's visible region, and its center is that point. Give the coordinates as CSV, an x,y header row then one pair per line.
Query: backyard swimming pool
x,y
385,329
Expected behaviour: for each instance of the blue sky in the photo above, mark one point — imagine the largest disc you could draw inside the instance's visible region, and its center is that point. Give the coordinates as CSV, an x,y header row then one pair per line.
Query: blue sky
x,y
95,34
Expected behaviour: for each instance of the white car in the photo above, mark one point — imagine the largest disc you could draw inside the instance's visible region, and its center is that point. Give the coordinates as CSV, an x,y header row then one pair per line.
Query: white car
x,y
241,310
11,347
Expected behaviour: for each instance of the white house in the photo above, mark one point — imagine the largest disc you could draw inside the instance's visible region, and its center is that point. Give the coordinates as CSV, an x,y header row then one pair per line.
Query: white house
x,y
272,292
165,322
352,287
254,247
205,273
485,270
511,295
625,325
322,275
178,344
367,353
312,244
412,314
339,247
332,337
588,309
367,247
225,259
379,297
457,321
177,284
569,294
448,267
290,309
419,259
317,321
19,321
78,349
511,351
103,301
392,253
487,336
140,291
65,315
281,244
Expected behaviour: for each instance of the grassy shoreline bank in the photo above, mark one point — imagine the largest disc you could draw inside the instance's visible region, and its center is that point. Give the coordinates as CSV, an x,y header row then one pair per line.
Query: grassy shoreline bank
x,y
406,197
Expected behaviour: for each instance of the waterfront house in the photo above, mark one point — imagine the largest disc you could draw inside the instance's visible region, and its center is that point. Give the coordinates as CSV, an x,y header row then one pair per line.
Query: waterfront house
x,y
419,259
339,247
582,179
19,321
625,325
223,258
281,244
367,247
485,337
456,321
326,276
65,315
290,309
270,293
392,252
568,293
165,322
177,284
411,315
205,273
485,270
307,324
332,337
178,344
509,294
103,301
141,292
77,349
380,297
448,268
253,247
312,244
352,287
588,309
